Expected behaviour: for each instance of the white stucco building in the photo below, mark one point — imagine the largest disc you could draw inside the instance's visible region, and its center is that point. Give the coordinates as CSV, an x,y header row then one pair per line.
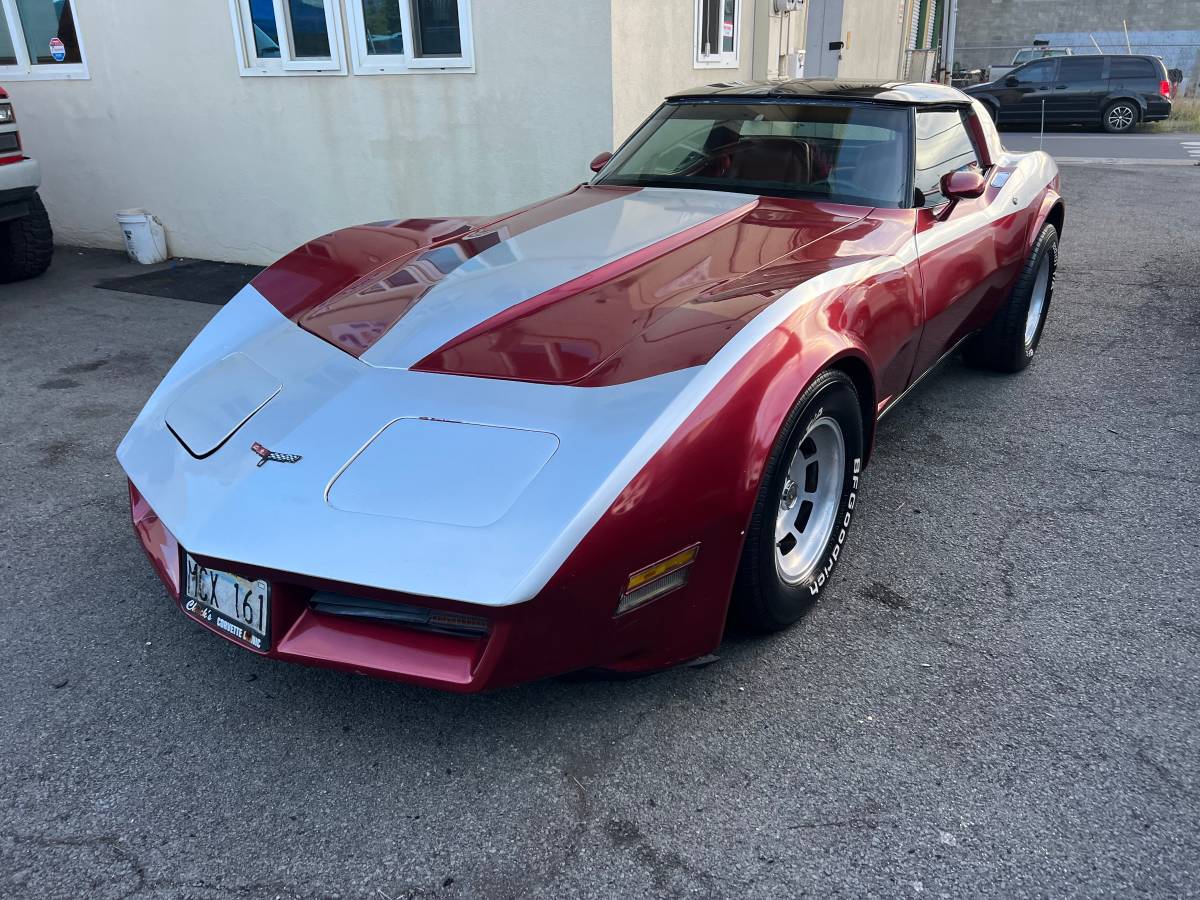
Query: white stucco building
x,y
249,126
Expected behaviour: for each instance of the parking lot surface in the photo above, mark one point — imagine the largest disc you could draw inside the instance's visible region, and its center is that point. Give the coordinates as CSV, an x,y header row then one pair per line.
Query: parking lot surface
x,y
1000,696
1082,144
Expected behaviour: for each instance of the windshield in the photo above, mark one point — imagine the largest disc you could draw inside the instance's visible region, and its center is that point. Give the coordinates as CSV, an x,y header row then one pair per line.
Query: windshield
x,y
843,153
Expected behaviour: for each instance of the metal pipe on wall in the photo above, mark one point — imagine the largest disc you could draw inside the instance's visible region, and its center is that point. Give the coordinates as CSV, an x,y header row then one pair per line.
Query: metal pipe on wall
x,y
951,26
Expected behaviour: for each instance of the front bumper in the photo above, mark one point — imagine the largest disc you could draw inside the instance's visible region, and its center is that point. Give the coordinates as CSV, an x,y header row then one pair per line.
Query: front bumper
x,y
558,631
18,183
20,175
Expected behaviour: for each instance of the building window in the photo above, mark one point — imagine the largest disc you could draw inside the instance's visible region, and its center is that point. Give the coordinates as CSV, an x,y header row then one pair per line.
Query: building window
x,y
396,36
287,37
718,33
39,40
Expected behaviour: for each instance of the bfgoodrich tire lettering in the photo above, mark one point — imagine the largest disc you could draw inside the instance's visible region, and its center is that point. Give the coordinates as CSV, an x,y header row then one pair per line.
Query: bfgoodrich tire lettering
x,y
771,593
1009,341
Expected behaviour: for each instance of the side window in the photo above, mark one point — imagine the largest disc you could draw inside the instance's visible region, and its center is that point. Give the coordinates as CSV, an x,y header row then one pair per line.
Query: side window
x,y
1080,68
1130,67
943,146
718,27
39,39
399,36
1036,73
285,37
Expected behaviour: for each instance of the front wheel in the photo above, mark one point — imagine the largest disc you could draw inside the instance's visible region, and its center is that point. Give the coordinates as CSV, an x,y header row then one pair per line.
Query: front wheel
x,y
26,244
1009,341
804,507
1120,116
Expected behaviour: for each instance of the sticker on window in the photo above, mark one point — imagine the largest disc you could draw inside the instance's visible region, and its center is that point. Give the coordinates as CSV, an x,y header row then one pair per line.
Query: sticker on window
x,y
58,50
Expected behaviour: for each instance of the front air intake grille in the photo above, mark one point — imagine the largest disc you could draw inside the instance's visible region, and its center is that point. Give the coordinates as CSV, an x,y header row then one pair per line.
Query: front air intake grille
x,y
399,613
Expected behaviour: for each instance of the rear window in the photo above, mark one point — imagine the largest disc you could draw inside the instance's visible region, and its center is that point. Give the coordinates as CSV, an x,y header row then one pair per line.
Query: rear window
x,y
1131,67
1080,68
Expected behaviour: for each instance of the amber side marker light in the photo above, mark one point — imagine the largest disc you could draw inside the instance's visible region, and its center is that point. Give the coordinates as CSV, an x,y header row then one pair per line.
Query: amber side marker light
x,y
661,578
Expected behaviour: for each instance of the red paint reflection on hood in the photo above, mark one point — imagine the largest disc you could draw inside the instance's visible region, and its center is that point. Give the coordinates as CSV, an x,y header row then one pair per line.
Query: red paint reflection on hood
x,y
350,286
704,284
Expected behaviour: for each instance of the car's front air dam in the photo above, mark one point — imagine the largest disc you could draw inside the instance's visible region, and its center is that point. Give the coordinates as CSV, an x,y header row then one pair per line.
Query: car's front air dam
x,y
568,626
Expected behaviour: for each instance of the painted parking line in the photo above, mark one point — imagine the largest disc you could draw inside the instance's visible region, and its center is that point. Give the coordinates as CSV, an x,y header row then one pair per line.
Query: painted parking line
x,y
1120,161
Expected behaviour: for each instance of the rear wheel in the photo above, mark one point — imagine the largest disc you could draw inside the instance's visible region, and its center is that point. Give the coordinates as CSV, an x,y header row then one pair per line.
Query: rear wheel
x,y
1120,116
805,503
26,244
1009,341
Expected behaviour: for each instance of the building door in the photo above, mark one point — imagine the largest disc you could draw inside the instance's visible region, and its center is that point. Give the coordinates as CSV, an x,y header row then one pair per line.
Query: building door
x,y
823,45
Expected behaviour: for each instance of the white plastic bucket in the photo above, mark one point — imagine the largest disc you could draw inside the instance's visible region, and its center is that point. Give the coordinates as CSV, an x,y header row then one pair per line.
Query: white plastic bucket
x,y
145,239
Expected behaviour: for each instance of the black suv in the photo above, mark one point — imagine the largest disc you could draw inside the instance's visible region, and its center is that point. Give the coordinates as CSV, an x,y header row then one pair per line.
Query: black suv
x,y
1114,91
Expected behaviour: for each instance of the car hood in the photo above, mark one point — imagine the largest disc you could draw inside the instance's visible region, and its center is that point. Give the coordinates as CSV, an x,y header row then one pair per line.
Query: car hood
x,y
549,293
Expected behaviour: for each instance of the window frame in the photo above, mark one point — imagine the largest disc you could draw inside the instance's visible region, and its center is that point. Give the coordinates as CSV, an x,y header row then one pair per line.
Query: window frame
x,y
250,64
25,68
723,59
364,63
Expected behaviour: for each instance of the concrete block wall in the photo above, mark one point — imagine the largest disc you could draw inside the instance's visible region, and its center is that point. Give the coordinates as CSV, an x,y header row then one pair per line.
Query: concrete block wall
x,y
989,31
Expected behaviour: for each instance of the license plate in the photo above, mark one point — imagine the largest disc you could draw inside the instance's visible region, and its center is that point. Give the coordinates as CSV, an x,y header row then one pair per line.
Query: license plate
x,y
233,605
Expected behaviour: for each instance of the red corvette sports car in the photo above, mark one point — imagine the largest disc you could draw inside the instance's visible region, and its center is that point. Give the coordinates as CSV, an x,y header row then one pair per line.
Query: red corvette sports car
x,y
470,452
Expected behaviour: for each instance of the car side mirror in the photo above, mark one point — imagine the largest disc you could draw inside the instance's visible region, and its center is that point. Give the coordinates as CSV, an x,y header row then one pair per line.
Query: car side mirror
x,y
600,161
1010,81
966,184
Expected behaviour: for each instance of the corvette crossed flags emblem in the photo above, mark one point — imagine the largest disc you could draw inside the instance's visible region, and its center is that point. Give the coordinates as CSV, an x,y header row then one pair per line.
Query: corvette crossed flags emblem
x,y
266,455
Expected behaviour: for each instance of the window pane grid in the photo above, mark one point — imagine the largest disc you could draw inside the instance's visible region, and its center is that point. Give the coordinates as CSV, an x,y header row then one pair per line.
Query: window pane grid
x,y
280,37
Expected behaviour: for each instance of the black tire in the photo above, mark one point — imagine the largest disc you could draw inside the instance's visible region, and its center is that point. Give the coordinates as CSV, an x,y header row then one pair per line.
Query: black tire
x,y
26,244
1120,116
763,600
1005,344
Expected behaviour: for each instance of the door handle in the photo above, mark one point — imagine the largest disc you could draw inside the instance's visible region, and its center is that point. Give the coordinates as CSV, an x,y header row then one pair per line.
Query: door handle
x,y
1061,87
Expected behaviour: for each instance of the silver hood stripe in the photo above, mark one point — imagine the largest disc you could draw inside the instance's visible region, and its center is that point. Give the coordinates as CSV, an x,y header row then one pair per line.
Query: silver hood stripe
x,y
533,262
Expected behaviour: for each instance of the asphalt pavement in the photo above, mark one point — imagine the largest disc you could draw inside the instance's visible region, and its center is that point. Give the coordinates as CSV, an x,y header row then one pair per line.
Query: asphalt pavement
x,y
1081,146
999,696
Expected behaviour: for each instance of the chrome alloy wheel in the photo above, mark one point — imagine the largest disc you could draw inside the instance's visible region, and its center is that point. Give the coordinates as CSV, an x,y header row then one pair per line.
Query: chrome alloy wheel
x,y
1120,117
1037,301
809,500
